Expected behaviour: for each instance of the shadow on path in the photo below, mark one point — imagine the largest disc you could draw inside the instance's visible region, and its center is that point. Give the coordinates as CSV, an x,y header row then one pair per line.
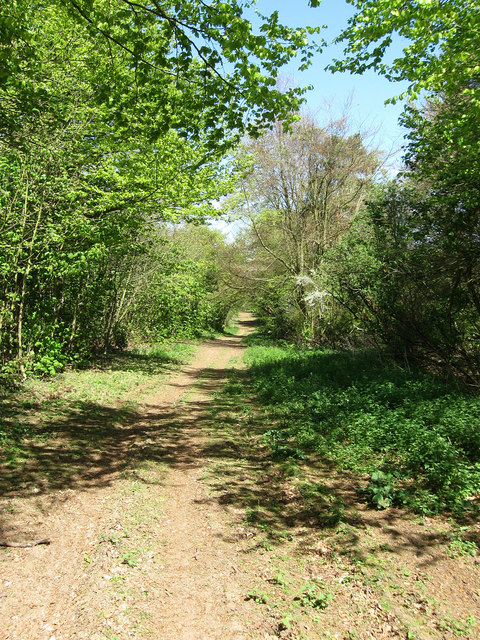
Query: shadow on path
x,y
87,445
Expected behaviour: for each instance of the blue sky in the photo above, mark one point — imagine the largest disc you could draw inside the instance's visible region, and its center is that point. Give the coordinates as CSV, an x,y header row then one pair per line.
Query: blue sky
x,y
367,92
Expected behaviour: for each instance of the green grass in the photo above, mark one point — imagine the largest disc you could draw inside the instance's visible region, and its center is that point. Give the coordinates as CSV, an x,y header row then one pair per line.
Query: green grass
x,y
365,413
232,328
53,431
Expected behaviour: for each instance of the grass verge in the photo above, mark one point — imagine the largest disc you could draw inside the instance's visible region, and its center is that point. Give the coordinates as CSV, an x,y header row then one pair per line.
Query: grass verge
x,y
330,564
66,429
417,436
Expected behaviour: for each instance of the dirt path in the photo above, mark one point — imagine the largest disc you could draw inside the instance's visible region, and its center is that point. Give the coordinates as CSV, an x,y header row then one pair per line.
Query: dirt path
x,y
145,553
174,523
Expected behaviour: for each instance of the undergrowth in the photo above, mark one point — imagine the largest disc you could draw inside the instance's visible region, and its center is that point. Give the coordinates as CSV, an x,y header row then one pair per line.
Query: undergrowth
x,y
86,403
367,414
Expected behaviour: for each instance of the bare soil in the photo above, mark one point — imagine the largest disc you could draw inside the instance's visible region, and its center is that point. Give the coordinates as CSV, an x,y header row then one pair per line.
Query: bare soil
x,y
180,527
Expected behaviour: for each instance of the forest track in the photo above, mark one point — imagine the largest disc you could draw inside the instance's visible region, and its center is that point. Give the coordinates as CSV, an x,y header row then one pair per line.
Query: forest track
x,y
177,524
145,553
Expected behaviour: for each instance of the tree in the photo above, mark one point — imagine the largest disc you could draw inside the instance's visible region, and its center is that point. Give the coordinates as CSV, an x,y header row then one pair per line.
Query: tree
x,y
300,196
170,287
192,67
77,195
441,52
114,117
441,63
418,286
406,284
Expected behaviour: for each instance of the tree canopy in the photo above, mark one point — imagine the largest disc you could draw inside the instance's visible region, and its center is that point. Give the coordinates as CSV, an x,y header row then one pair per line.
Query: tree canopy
x,y
193,67
115,117
299,195
115,120
441,43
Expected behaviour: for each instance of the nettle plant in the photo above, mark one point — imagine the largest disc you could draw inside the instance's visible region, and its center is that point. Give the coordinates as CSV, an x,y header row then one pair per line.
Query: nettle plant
x,y
381,491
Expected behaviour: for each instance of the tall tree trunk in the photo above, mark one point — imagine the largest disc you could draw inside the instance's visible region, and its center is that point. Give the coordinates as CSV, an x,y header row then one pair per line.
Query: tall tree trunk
x,y
23,291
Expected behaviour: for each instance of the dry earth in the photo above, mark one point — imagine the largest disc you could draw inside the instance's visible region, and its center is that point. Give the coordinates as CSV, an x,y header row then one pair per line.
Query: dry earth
x,y
165,536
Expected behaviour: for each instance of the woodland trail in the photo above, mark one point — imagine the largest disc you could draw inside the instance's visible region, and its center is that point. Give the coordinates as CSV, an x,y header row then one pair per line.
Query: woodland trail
x,y
172,522
145,553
